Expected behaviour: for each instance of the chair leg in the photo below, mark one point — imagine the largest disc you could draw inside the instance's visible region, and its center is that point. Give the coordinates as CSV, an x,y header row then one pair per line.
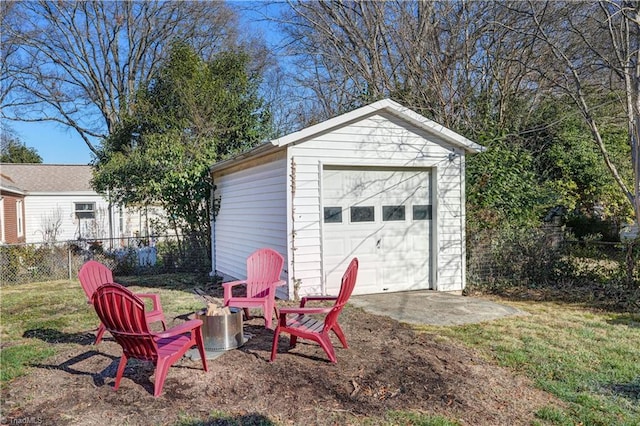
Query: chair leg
x,y
162,368
120,372
274,346
325,342
200,345
293,340
268,318
99,334
340,334
247,314
268,309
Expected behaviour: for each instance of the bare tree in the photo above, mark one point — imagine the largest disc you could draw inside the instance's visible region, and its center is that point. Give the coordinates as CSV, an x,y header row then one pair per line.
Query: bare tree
x,y
80,63
50,224
450,61
8,48
593,57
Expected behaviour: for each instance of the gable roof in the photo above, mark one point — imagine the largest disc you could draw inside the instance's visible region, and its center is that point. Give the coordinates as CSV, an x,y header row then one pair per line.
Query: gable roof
x,y
385,105
46,177
389,106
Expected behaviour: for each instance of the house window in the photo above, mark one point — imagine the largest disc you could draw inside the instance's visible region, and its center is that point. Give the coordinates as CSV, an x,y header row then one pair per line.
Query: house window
x,y
362,214
422,212
20,218
333,215
120,220
392,213
85,210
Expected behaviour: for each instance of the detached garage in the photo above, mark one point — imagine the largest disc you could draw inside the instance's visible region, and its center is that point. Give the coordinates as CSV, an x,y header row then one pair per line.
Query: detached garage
x,y
381,183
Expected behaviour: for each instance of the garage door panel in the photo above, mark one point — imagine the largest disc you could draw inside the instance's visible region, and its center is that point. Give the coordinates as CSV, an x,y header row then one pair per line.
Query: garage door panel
x,y
394,277
420,277
366,283
393,248
335,246
363,246
419,244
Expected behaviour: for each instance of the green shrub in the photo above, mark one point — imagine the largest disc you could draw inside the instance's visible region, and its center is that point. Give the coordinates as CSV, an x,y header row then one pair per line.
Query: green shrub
x,y
513,257
584,227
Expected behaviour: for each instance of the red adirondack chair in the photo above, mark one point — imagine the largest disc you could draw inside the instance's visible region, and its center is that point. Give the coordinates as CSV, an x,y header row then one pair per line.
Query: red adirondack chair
x,y
94,274
264,267
299,324
122,313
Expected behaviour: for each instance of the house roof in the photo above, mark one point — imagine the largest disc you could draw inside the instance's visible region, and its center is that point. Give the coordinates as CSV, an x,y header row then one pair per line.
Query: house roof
x,y
7,185
385,105
46,177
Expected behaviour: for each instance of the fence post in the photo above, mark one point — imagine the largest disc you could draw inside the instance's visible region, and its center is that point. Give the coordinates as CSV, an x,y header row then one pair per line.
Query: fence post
x,y
69,262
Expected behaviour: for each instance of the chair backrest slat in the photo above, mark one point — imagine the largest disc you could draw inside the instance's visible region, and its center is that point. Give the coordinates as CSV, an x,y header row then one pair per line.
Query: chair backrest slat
x,y
346,288
92,275
263,269
122,313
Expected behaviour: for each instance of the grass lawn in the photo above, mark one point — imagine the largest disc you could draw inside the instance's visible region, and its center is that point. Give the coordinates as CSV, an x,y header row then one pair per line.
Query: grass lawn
x,y
590,360
36,314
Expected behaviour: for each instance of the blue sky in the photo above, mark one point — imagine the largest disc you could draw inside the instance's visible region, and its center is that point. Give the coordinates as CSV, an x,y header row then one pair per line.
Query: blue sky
x,y
54,143
57,144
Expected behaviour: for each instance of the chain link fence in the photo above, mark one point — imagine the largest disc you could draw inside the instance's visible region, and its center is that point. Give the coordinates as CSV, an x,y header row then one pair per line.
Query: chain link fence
x,y
522,256
532,257
24,263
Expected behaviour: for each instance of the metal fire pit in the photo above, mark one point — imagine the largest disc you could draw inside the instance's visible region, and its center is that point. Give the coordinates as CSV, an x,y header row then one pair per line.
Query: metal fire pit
x,y
222,332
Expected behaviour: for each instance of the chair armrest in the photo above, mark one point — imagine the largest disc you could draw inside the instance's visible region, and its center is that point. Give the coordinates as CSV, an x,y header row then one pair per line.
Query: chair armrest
x,y
273,287
228,288
306,299
234,283
180,329
304,311
154,298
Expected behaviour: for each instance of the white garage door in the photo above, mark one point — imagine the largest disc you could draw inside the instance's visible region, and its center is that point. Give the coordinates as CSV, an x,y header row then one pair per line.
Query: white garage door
x,y
383,217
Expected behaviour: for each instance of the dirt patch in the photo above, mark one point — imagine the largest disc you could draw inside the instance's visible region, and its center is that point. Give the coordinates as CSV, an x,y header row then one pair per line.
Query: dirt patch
x,y
387,367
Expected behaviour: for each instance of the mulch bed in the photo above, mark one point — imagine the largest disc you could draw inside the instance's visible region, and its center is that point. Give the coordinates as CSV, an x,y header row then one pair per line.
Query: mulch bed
x,y
387,367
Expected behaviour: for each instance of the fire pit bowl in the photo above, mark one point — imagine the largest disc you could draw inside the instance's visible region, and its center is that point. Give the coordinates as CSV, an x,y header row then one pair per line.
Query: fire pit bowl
x,y
221,332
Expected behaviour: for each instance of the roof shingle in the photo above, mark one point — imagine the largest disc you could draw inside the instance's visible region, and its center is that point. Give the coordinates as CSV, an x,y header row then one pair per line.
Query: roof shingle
x,y
47,177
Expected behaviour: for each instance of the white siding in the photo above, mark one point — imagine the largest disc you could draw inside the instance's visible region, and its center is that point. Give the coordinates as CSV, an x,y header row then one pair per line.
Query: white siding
x,y
252,214
40,208
450,223
377,140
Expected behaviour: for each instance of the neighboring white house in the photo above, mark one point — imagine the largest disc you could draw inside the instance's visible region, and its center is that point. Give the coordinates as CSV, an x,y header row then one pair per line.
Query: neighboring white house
x,y
381,183
59,204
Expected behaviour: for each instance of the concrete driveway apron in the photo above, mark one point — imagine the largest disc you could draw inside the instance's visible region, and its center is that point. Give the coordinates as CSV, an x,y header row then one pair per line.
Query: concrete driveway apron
x,y
433,308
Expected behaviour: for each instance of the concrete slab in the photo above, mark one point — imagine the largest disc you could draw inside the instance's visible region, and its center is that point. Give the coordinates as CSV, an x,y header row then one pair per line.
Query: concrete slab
x,y
433,308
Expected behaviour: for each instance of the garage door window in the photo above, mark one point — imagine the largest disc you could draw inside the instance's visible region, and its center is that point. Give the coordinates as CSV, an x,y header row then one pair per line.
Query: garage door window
x,y
392,213
422,212
333,215
362,214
